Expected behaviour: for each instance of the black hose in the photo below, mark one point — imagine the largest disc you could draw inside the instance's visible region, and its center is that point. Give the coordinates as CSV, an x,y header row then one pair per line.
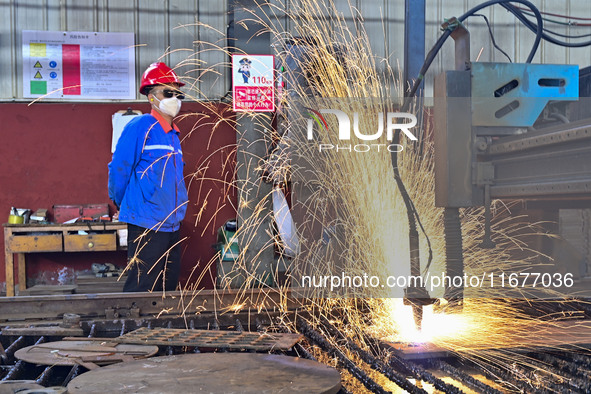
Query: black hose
x,y
533,27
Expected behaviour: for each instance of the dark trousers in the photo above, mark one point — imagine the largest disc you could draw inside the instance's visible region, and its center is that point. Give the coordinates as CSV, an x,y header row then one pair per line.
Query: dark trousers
x,y
153,258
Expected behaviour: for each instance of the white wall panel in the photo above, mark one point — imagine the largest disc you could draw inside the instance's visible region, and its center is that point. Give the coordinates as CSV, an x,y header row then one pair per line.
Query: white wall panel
x,y
182,33
81,15
153,33
211,62
7,49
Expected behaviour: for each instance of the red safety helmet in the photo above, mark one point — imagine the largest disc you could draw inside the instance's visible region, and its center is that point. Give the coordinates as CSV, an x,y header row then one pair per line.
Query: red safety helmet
x,y
158,74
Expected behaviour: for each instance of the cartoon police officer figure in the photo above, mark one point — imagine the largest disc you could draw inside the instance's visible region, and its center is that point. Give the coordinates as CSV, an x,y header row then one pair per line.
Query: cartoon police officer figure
x,y
244,69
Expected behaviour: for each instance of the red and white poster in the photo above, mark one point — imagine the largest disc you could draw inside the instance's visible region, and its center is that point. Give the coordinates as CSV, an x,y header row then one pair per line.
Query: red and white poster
x,y
253,83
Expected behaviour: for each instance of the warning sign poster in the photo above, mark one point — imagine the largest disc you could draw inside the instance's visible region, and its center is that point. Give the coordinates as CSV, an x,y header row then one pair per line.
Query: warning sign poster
x,y
78,65
252,83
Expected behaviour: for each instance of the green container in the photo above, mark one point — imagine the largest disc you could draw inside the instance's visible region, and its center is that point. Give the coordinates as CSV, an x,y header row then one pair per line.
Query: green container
x,y
227,242
228,274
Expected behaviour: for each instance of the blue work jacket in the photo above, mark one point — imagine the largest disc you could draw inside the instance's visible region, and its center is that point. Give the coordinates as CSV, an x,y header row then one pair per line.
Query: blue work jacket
x,y
146,174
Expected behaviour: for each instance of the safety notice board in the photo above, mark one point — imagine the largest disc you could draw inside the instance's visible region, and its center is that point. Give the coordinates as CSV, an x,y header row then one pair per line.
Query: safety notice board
x,y
78,65
253,83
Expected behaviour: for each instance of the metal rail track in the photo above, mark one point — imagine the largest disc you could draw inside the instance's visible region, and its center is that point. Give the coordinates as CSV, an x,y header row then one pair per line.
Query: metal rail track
x,y
121,305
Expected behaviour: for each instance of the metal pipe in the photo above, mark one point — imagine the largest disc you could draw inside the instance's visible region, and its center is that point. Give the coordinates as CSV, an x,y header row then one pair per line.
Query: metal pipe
x,y
464,377
323,343
487,242
573,383
169,349
454,259
414,40
15,371
20,365
498,374
415,370
44,377
259,325
92,332
374,362
14,346
73,373
422,374
568,365
297,348
192,327
75,370
580,360
303,353
344,391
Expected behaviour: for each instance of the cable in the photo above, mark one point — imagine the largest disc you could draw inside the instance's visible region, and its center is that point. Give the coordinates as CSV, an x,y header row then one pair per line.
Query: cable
x,y
566,35
562,23
492,37
558,15
527,3
532,26
556,21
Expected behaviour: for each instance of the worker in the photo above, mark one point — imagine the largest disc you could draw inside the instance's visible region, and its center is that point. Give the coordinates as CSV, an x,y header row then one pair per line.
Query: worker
x,y
147,185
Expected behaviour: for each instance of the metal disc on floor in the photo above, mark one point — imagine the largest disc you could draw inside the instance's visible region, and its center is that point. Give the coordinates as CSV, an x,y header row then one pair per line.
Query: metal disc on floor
x,y
211,373
89,354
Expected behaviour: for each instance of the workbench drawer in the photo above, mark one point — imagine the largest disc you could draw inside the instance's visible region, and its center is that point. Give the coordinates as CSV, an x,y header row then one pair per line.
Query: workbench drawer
x,y
34,243
90,242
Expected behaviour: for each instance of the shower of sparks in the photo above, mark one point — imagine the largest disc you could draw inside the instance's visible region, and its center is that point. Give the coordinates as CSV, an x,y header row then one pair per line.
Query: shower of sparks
x,y
354,198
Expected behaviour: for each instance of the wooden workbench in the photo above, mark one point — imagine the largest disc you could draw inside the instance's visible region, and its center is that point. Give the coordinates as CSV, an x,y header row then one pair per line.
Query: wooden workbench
x,y
21,239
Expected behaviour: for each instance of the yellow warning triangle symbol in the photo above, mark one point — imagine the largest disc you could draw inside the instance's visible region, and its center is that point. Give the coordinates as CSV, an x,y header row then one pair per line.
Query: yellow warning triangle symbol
x,y
38,75
38,65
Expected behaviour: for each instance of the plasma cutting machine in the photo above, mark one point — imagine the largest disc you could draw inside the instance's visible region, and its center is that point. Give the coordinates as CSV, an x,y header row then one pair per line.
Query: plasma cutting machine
x,y
506,131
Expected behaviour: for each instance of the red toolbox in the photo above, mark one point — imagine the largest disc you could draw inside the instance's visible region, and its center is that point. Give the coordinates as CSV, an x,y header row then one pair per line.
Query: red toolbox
x,y
95,210
63,213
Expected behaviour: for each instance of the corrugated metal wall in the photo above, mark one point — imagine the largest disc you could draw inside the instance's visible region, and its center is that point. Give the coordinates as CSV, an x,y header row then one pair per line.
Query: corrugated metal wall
x,y
171,29
166,30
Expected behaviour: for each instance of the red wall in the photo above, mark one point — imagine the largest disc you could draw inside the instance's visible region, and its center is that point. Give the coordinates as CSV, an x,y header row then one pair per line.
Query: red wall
x,y
58,154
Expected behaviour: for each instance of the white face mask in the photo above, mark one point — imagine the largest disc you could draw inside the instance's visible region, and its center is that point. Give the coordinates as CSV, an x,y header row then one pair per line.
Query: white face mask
x,y
170,106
